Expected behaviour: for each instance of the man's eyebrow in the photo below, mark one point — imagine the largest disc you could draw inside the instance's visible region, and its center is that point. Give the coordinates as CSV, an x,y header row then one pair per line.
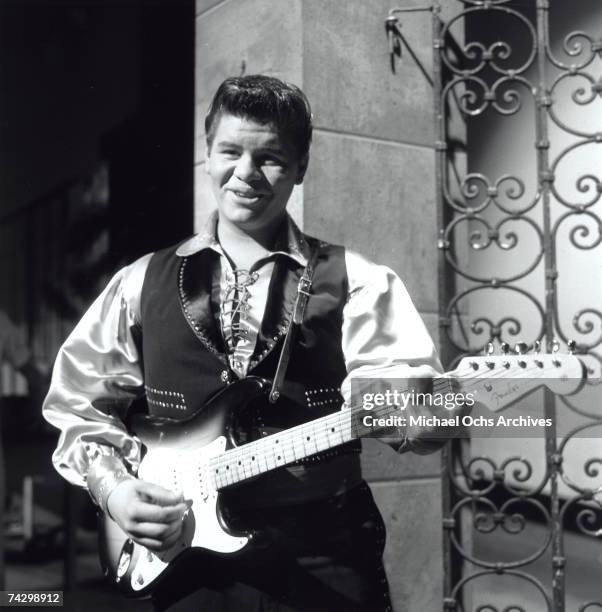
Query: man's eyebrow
x,y
267,147
274,147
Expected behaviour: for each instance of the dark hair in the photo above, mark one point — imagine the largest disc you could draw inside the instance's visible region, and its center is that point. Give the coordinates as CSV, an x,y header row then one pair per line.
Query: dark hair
x,y
266,100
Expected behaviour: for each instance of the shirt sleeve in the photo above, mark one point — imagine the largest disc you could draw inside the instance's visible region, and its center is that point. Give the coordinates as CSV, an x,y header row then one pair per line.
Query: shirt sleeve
x,y
383,336
96,376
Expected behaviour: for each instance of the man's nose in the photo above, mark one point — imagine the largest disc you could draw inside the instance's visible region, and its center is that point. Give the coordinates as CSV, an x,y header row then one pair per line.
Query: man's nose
x,y
246,168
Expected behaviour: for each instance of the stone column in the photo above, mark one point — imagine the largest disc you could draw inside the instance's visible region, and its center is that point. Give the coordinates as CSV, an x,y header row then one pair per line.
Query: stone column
x,y
370,186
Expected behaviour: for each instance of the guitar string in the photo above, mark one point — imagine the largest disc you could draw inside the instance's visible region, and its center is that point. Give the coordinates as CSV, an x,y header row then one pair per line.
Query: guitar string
x,y
287,438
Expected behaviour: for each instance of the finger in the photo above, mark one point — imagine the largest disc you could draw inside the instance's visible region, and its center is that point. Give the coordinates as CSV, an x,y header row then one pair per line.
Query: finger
x,y
156,531
161,543
151,544
158,495
454,383
172,540
151,513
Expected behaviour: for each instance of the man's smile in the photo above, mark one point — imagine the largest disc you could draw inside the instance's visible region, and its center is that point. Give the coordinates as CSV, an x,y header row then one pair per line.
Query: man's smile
x,y
246,196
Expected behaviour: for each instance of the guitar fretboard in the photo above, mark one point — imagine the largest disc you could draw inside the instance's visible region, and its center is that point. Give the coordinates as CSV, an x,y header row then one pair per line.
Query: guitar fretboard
x,y
291,445
281,449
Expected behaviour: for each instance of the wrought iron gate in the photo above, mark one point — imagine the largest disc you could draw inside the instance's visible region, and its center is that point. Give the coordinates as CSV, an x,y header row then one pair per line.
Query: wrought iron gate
x,y
520,259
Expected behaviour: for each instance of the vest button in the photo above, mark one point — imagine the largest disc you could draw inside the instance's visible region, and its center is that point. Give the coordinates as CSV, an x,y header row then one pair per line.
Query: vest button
x,y
225,376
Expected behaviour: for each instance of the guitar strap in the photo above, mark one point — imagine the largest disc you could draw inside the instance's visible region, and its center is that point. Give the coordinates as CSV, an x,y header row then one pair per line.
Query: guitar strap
x,y
303,293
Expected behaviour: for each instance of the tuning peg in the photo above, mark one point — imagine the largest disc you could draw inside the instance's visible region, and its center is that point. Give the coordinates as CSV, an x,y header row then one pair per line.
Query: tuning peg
x,y
555,346
505,348
489,349
572,346
537,347
520,348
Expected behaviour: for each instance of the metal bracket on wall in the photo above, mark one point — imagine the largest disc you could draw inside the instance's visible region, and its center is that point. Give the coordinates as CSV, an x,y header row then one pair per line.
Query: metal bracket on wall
x,y
397,40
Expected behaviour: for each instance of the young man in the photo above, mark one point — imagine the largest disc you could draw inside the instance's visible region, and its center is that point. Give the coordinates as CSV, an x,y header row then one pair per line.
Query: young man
x,y
180,325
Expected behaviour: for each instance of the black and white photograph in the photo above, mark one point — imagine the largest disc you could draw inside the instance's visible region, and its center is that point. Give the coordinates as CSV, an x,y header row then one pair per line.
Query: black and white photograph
x,y
301,305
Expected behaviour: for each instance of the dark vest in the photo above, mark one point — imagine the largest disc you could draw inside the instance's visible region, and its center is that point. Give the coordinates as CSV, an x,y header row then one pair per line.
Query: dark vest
x,y
183,349
185,362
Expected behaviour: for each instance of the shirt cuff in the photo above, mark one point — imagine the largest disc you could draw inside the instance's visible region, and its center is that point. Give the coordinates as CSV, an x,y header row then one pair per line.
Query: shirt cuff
x,y
104,474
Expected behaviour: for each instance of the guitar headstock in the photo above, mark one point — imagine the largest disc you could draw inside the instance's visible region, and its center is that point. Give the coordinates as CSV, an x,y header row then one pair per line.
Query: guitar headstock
x,y
506,378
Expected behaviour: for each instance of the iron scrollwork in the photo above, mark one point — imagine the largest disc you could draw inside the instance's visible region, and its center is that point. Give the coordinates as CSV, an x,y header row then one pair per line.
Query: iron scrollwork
x,y
530,225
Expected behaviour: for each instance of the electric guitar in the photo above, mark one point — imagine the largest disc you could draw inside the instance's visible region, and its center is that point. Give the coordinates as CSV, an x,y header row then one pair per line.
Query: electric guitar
x,y
199,456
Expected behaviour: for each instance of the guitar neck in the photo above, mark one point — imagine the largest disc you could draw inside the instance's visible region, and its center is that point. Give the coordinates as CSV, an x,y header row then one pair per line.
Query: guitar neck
x,y
276,450
497,382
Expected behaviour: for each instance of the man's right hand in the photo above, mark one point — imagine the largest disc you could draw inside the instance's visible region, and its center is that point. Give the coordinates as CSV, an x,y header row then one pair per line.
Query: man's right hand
x,y
150,515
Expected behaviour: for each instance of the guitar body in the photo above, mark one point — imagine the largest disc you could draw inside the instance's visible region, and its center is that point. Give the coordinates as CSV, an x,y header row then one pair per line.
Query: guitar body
x,y
177,458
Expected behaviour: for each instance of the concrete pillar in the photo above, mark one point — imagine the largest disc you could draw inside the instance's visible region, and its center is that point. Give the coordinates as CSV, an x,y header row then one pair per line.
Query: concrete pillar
x,y
370,186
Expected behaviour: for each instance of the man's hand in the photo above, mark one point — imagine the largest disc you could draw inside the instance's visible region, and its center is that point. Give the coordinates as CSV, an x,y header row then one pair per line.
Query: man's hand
x,y
149,514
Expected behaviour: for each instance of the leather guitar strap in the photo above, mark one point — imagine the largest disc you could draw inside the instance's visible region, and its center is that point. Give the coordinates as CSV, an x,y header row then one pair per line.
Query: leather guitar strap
x,y
303,293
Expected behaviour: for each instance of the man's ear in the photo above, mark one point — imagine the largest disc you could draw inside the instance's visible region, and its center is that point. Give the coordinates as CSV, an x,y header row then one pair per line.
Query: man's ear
x,y
302,169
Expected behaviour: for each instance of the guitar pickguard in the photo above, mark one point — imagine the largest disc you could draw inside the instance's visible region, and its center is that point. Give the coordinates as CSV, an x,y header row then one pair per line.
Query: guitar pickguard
x,y
184,471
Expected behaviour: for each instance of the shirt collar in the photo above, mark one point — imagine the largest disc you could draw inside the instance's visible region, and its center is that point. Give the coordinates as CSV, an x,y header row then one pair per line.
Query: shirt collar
x,y
291,241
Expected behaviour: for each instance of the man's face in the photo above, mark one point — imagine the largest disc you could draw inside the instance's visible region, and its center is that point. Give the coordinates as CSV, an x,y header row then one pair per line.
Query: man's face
x,y
253,172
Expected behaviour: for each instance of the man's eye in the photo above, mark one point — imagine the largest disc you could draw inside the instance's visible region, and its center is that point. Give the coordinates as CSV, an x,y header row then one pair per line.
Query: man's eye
x,y
229,152
272,161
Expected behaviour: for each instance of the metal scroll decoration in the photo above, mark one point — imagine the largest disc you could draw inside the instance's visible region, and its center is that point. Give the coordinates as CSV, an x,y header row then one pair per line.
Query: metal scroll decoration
x,y
520,237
